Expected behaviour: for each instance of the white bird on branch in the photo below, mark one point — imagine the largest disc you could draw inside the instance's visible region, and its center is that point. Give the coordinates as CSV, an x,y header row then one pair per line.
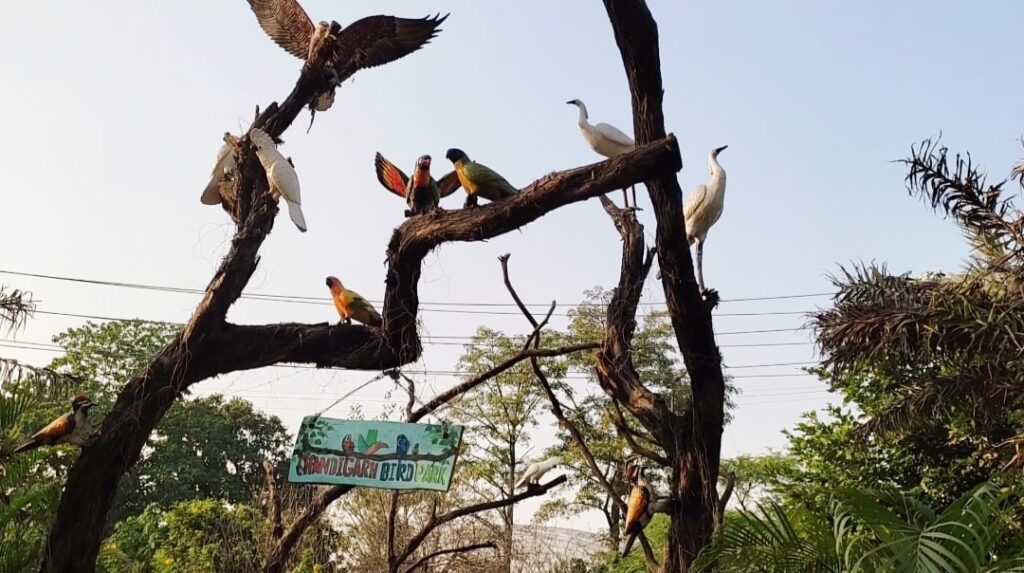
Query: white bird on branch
x,y
223,170
280,175
536,471
606,140
702,209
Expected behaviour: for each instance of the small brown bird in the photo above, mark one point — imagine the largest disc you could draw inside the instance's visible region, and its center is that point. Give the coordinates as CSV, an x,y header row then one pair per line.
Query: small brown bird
x,y
70,428
351,305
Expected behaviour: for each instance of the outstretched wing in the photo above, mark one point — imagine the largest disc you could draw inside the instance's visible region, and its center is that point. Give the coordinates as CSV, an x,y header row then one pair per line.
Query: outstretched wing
x,y
286,23
448,184
390,176
377,40
614,134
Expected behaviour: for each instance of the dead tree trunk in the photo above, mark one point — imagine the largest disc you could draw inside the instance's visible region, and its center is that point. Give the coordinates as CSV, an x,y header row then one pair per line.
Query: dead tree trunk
x,y
693,438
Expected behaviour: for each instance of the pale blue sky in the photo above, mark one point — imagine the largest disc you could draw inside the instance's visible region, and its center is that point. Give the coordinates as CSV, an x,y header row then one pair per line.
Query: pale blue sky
x,y
114,112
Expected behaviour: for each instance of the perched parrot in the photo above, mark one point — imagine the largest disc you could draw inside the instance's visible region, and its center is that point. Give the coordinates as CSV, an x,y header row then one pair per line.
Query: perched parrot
x,y
639,510
223,170
351,305
70,428
421,192
479,179
415,450
280,174
536,471
347,444
401,445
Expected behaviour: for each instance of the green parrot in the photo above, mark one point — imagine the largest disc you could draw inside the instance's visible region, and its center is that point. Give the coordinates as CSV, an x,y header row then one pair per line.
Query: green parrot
x,y
479,179
421,191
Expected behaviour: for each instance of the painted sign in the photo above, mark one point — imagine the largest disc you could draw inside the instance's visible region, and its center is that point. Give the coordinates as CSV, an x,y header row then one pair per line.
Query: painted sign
x,y
386,455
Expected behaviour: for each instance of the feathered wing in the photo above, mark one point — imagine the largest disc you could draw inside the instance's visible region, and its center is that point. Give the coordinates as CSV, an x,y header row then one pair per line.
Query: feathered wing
x,y
390,176
614,134
377,40
693,203
490,185
224,163
364,311
525,477
286,23
636,510
62,426
448,184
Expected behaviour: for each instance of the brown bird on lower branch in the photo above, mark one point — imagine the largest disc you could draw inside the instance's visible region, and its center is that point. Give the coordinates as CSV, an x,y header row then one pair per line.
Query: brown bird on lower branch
x,y
70,428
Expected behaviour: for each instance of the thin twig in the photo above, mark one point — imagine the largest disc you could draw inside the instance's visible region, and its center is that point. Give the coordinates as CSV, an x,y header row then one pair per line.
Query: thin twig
x,y
464,549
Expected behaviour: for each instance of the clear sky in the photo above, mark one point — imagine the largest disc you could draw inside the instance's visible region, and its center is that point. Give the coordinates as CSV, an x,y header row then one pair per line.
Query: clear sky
x,y
114,111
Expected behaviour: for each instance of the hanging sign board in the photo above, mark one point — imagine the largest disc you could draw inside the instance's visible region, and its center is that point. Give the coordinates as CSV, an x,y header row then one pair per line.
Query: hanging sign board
x,y
385,455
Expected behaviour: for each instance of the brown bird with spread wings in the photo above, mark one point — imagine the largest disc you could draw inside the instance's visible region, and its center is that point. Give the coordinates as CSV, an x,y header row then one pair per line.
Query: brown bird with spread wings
x,y
366,43
71,428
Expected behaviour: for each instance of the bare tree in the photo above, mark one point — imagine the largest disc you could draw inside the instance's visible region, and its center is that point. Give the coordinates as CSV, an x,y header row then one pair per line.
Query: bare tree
x,y
208,345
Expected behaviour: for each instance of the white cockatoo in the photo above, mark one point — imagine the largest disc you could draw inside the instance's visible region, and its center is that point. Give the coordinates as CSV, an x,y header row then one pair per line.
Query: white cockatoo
x,y
536,471
223,170
280,174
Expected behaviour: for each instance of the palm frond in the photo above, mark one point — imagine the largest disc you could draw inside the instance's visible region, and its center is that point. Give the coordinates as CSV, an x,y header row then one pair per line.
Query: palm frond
x,y
961,192
977,389
43,383
776,539
877,316
889,531
16,307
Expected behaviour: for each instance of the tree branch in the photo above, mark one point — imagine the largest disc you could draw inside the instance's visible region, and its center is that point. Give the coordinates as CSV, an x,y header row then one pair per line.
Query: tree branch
x,y
445,397
439,520
556,406
463,549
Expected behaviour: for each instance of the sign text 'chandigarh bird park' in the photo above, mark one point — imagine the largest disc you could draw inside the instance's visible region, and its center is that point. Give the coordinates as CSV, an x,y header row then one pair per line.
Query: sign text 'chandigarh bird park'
x,y
386,455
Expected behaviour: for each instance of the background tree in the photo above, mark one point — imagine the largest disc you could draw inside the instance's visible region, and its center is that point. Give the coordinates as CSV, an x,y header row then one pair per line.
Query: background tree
x,y
959,336
498,417
657,361
206,448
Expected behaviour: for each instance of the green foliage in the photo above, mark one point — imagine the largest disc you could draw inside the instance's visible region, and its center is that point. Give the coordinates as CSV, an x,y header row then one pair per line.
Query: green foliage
x,y
204,448
194,536
761,478
28,496
874,530
657,534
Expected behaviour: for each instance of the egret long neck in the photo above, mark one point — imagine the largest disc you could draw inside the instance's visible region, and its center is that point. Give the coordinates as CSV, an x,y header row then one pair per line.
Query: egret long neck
x,y
717,172
583,114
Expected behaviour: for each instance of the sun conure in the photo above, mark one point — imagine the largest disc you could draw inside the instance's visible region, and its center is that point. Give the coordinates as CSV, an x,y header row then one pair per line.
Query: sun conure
x,y
479,180
421,192
351,305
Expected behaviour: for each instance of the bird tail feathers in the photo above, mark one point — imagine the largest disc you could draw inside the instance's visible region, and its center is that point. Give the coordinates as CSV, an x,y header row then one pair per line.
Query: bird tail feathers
x,y
295,212
29,445
520,483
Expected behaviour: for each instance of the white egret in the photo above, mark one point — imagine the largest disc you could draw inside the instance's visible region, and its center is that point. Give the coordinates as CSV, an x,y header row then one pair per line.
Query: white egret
x,y
605,139
702,209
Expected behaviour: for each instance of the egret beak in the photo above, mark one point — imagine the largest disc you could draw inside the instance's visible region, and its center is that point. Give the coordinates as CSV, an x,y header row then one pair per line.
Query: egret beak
x,y
720,149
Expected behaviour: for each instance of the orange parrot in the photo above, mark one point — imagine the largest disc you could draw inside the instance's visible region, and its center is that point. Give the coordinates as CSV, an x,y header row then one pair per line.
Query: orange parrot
x,y
70,428
351,305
